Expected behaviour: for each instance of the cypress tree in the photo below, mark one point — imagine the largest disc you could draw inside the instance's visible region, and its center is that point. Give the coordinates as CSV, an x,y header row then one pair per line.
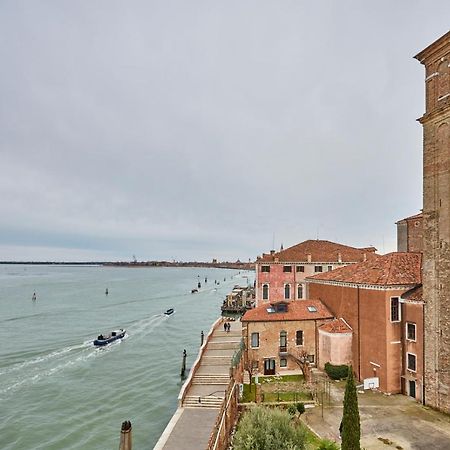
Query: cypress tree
x,y
351,428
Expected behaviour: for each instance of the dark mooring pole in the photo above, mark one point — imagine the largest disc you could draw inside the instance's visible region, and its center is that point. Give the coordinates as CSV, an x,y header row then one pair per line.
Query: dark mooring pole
x,y
183,365
202,337
125,436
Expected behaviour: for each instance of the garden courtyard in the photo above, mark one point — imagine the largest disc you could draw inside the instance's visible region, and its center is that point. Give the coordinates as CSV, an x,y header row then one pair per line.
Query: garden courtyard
x,y
387,422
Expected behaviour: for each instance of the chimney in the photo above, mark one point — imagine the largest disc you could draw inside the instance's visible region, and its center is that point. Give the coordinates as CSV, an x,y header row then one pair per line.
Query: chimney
x,y
276,259
364,256
339,257
272,252
308,257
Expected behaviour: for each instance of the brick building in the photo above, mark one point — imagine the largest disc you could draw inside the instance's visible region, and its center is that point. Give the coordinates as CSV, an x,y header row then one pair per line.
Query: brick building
x,y
281,275
436,221
379,303
278,332
410,234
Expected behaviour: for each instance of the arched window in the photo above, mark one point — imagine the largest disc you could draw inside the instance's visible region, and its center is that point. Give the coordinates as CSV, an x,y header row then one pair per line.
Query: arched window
x,y
299,291
287,291
265,292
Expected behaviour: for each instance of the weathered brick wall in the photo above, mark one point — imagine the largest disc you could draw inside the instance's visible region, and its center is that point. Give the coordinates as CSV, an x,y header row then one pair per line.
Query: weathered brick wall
x,y
415,234
436,233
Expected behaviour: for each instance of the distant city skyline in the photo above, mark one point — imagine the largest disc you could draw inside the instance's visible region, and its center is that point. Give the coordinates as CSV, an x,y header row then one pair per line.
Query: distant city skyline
x,y
194,131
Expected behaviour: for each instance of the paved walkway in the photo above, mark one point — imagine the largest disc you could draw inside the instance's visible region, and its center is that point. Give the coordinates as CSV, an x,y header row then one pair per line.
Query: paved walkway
x,y
193,422
387,422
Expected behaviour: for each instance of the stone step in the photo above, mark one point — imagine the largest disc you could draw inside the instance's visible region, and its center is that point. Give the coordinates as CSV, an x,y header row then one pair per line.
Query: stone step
x,y
211,380
217,345
205,402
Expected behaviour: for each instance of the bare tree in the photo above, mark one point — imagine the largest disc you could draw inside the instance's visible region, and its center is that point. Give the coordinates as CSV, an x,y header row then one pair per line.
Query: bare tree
x,y
301,358
250,364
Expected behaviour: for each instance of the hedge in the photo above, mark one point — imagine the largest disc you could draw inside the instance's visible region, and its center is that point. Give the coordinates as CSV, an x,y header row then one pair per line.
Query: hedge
x,y
336,372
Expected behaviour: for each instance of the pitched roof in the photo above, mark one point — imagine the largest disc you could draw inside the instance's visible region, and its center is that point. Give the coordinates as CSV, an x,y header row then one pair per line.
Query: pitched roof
x,y
296,310
415,294
397,268
320,251
414,217
336,326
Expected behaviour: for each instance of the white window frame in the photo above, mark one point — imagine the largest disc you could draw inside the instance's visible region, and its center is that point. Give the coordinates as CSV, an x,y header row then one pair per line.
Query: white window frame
x,y
303,338
316,269
268,291
263,266
284,291
285,366
251,340
303,291
286,266
407,361
415,331
399,310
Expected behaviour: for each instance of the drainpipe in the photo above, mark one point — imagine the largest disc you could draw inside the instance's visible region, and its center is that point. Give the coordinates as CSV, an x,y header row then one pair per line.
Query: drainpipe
x,y
359,338
423,353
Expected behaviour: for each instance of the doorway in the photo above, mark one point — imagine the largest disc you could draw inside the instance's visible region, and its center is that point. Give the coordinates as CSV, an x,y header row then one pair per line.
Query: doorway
x,y
412,388
269,367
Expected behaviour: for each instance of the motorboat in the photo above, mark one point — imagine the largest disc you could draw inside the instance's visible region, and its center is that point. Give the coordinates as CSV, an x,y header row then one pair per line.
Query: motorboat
x,y
194,291
169,312
105,340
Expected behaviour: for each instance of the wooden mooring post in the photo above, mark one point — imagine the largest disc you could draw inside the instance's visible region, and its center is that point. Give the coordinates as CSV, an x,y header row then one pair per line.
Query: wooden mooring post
x,y
125,436
202,338
183,364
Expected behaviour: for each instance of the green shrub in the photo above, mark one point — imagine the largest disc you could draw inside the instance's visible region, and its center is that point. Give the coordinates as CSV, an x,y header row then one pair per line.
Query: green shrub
x,y
325,444
292,410
262,428
300,408
336,372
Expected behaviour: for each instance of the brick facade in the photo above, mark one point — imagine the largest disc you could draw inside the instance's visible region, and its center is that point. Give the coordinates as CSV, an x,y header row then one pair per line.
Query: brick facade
x,y
410,234
436,211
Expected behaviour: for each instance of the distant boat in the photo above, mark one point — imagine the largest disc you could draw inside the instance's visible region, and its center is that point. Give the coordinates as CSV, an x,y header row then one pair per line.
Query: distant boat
x,y
194,291
34,297
105,340
199,285
169,312
106,292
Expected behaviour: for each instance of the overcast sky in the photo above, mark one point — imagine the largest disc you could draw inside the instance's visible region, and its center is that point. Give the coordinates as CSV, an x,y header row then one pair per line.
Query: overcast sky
x,y
204,129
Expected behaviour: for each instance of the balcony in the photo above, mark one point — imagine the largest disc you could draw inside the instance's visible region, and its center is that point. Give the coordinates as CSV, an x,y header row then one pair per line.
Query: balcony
x,y
283,350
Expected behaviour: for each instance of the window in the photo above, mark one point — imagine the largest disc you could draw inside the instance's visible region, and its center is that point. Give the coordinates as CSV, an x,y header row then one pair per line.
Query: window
x,y
299,337
300,291
411,331
283,341
283,362
265,289
282,307
317,268
287,291
311,358
395,309
411,361
287,268
255,364
300,268
312,309
265,268
255,340
330,268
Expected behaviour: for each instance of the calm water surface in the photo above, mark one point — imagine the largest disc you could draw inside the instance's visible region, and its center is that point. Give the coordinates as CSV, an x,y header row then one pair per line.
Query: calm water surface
x,y
57,391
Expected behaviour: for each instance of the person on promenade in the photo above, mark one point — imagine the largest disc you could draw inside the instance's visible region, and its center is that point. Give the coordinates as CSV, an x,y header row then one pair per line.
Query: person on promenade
x,y
224,326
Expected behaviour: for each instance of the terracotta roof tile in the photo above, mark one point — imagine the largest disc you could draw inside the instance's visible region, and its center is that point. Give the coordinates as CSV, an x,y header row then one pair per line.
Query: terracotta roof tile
x,y
397,268
414,217
320,251
296,310
336,326
415,294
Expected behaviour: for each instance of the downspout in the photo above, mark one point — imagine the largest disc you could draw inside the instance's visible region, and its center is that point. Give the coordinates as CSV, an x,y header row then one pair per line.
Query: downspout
x,y
423,352
359,338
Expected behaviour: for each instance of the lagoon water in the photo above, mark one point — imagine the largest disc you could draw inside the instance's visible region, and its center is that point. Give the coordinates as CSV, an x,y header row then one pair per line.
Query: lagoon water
x,y
57,391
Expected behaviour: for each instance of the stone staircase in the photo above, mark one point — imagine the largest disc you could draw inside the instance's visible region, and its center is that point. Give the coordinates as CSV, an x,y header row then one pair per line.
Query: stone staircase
x,y
212,377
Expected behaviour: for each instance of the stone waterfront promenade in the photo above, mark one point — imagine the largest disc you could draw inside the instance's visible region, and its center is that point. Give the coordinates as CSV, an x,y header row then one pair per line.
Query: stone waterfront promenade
x,y
204,392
